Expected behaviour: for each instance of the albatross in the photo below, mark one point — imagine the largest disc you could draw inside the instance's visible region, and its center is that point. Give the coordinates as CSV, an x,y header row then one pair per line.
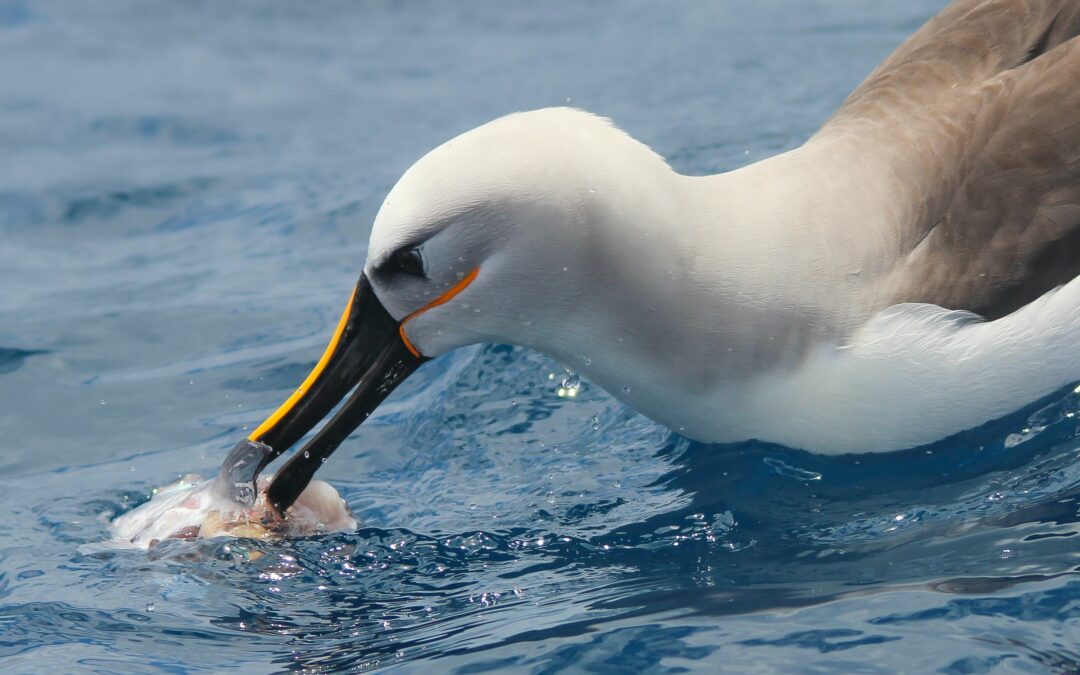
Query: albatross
x,y
906,274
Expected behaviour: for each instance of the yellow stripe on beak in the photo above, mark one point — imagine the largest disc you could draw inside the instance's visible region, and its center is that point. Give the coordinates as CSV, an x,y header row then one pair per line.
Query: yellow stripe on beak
x,y
291,402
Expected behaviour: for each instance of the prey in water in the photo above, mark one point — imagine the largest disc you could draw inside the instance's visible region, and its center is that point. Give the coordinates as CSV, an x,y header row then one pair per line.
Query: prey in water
x,y
232,504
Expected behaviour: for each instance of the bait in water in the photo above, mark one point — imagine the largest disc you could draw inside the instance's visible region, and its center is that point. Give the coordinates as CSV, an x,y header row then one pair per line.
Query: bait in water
x,y
197,508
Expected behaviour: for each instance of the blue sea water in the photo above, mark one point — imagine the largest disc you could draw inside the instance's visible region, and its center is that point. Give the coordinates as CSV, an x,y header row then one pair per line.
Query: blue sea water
x,y
186,192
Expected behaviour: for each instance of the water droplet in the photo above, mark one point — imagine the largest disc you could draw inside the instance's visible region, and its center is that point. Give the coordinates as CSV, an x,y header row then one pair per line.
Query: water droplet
x,y
191,381
307,454
102,401
595,421
150,606
565,269
626,389
588,362
570,386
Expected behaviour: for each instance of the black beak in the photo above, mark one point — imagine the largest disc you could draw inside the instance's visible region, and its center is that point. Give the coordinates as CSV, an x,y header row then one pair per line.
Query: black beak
x,y
367,353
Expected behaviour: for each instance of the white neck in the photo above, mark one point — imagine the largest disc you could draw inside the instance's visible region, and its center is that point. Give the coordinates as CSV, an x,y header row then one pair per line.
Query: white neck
x,y
745,305
752,260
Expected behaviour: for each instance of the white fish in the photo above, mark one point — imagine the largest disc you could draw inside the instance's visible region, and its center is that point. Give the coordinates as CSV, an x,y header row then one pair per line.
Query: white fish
x,y
196,508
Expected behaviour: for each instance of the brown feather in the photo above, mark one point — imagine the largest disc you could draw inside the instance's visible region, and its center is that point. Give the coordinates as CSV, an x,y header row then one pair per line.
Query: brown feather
x,y
977,116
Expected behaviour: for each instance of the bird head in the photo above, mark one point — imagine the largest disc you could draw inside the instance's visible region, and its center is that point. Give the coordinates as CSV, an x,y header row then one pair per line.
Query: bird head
x,y
494,236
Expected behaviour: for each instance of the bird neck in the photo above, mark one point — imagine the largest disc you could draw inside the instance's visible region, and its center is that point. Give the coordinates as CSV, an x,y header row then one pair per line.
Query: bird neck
x,y
697,283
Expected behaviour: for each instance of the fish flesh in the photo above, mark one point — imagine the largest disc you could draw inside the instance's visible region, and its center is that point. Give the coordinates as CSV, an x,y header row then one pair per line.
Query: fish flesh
x,y
232,504
197,508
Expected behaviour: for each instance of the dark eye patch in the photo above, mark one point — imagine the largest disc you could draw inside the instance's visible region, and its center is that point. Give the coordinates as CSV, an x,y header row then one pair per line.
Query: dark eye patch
x,y
406,261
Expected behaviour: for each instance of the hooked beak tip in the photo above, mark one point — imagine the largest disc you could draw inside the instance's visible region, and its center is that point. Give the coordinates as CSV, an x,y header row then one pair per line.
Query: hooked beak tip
x,y
367,356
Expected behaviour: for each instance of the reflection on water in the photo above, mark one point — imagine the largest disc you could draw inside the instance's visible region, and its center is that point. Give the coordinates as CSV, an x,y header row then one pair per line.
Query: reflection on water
x,y
188,195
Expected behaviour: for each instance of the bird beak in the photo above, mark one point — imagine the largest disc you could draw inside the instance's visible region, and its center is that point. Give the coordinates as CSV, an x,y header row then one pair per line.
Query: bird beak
x,y
368,354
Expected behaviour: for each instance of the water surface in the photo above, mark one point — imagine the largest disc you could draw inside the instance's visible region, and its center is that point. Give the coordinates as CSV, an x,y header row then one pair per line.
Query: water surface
x,y
185,199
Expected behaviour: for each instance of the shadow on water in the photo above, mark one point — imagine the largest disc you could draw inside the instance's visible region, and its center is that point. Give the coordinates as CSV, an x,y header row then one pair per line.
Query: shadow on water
x,y
12,359
836,513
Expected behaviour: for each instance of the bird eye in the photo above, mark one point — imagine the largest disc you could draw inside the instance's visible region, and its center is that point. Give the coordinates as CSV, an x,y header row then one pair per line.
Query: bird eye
x,y
407,261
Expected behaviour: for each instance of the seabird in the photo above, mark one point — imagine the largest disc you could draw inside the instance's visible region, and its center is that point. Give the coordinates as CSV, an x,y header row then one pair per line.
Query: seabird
x,y
906,274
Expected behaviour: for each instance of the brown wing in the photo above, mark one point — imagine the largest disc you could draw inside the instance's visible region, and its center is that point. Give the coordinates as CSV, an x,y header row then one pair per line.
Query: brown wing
x,y
981,112
968,43
1011,231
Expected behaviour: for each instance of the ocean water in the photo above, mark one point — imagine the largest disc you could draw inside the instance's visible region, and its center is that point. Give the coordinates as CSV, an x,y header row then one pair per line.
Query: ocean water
x,y
186,192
